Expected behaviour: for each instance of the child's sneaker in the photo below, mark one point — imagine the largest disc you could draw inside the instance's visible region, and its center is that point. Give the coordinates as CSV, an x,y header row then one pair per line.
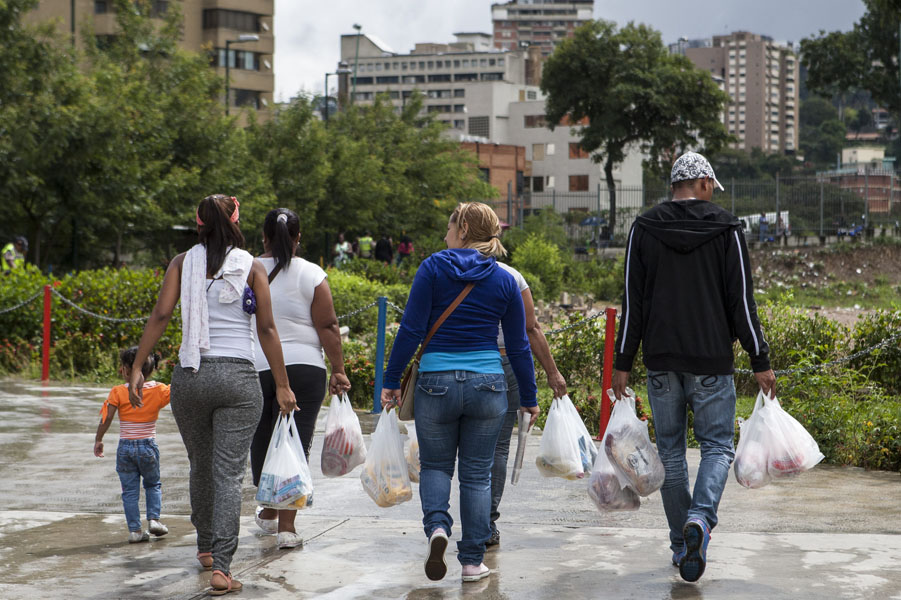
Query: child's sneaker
x,y
138,536
157,528
697,536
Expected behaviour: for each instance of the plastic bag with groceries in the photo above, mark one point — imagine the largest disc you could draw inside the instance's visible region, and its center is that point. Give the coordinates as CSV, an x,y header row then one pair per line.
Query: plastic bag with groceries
x,y
412,453
604,487
629,448
343,448
564,451
286,482
385,477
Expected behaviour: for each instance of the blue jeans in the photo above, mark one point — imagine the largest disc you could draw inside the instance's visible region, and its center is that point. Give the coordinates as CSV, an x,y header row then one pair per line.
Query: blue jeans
x,y
459,412
502,450
136,459
712,400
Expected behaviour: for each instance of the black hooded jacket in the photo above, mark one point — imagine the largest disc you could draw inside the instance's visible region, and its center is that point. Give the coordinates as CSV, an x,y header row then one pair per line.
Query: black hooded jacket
x,y
689,292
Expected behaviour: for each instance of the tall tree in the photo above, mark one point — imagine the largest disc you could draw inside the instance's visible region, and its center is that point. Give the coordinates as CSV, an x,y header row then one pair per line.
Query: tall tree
x,y
866,57
632,92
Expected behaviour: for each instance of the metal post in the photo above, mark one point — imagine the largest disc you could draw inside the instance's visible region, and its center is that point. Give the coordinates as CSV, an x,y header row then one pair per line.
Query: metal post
x,y
522,211
509,202
227,63
607,372
597,223
325,101
866,206
891,192
380,356
776,222
822,201
732,191
45,350
554,197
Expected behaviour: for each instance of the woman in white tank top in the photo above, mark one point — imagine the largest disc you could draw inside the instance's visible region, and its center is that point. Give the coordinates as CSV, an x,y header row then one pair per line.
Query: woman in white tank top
x,y
305,316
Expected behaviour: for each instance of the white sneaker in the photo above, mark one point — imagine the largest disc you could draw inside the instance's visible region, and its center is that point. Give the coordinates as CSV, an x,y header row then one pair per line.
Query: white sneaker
x,y
435,566
268,526
137,536
157,528
289,539
475,572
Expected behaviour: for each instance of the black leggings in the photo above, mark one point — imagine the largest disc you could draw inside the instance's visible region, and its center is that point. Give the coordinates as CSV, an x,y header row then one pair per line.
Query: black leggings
x,y
308,384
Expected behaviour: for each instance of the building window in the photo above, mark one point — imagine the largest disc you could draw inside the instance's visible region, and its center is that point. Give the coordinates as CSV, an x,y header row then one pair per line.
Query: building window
x,y
456,64
459,124
484,173
364,96
550,181
500,62
465,62
479,126
394,95
531,95
101,7
549,150
459,108
439,78
492,76
246,98
537,184
578,183
537,151
533,121
216,18
466,77
459,93
237,59
576,151
361,80
387,79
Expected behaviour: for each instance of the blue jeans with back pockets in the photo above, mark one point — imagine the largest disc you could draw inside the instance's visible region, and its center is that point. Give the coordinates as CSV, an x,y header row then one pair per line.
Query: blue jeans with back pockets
x,y
459,414
137,459
712,401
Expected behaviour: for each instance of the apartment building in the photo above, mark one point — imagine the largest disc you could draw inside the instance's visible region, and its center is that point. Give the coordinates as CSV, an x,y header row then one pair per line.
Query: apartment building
x,y
762,78
539,23
207,25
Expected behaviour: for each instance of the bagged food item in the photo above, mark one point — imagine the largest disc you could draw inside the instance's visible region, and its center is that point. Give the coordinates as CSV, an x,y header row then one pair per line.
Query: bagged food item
x,y
558,452
791,449
385,477
628,446
588,452
605,490
412,453
286,482
752,456
343,448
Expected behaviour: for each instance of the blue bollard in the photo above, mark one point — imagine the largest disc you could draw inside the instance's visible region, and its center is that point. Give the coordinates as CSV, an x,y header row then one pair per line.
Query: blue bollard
x,y
380,357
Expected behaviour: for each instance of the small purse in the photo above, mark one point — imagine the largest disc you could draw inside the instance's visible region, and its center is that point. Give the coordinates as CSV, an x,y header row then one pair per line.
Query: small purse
x,y
408,383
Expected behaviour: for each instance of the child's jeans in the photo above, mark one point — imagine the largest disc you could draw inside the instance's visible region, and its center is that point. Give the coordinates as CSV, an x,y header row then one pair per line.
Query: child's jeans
x,y
136,459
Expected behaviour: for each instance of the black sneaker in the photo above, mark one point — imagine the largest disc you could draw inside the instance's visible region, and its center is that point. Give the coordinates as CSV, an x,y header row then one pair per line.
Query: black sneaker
x,y
494,540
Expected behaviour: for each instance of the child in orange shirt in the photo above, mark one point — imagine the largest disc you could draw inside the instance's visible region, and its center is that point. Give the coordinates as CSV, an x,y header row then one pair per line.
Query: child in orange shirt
x,y
138,455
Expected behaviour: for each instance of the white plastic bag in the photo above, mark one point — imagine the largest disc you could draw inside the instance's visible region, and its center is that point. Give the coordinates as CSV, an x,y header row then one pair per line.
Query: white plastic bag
x,y
384,475
343,448
412,453
604,487
629,448
588,452
286,482
751,456
791,449
558,453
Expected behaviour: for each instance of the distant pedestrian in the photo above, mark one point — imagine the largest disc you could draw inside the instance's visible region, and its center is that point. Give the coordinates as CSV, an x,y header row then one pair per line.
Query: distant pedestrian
x,y
364,245
342,252
764,227
404,248
138,456
14,254
688,258
384,249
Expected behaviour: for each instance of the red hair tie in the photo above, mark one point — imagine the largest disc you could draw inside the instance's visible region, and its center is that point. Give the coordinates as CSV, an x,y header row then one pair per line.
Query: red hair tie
x,y
234,218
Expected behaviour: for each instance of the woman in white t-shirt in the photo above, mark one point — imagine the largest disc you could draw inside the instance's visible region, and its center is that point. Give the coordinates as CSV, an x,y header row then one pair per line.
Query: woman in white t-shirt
x,y
306,322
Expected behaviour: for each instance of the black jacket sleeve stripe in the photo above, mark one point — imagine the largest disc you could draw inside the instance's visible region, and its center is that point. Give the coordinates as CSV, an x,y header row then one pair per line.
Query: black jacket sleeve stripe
x,y
745,279
631,322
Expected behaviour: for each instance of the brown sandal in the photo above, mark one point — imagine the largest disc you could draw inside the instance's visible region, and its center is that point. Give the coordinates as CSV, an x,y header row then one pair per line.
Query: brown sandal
x,y
233,585
205,559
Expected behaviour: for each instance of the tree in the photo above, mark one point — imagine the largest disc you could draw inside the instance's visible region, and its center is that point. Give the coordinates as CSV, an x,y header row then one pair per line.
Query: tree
x,y
632,92
865,57
822,133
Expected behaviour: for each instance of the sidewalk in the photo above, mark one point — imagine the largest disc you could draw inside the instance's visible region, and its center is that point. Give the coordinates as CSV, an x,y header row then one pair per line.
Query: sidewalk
x,y
834,532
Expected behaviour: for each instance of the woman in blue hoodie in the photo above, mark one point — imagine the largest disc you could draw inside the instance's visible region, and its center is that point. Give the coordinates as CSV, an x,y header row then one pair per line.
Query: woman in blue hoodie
x,y
461,393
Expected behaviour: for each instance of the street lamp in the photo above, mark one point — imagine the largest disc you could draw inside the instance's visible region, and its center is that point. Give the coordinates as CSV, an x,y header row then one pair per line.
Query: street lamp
x,y
353,94
245,37
343,69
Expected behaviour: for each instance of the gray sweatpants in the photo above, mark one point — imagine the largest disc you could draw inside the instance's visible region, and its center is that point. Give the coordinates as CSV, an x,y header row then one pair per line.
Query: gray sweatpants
x,y
217,409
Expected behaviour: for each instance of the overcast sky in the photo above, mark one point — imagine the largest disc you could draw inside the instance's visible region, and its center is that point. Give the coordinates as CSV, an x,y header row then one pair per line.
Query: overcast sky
x,y
307,33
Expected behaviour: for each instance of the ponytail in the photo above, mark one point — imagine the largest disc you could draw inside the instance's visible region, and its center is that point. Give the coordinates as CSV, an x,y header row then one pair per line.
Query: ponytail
x,y
281,228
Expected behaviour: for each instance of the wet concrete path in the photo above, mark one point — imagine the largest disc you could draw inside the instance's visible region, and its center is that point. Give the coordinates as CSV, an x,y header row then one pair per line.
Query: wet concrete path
x,y
834,532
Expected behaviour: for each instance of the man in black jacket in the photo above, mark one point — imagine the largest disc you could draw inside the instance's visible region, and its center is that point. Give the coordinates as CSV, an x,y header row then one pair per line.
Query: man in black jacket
x,y
688,296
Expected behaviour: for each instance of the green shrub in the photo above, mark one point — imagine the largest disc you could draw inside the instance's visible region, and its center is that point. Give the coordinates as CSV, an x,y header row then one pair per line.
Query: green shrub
x,y
350,292
540,257
883,365
376,271
361,373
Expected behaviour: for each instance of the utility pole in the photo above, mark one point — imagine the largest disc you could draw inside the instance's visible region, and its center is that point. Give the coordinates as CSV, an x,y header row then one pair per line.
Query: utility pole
x,y
353,94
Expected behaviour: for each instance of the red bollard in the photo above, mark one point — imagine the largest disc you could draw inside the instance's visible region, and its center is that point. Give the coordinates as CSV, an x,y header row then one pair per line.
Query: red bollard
x,y
45,355
607,374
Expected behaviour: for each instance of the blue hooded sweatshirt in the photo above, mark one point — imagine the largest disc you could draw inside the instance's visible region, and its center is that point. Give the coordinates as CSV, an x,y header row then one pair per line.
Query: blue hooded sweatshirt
x,y
473,325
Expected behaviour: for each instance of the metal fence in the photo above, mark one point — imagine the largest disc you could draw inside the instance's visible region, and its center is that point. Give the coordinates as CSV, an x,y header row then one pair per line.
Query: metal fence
x,y
798,211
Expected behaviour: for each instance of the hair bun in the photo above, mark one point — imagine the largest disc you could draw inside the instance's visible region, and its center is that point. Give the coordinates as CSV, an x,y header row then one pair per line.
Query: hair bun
x,y
282,218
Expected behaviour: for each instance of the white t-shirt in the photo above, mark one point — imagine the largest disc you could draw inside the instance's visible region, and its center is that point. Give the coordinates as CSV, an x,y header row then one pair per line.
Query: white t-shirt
x,y
521,282
292,301
230,326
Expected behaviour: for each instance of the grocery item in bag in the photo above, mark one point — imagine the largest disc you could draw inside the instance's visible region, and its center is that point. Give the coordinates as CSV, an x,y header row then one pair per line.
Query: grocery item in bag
x,y
628,446
558,452
606,491
791,449
343,447
412,453
286,482
751,455
385,477
588,452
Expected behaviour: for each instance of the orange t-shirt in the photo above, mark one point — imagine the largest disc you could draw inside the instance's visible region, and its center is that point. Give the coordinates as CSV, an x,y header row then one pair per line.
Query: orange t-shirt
x,y
137,423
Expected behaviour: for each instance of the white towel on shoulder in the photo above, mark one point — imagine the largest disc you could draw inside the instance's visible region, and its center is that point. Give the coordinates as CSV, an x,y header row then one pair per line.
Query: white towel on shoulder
x,y
195,317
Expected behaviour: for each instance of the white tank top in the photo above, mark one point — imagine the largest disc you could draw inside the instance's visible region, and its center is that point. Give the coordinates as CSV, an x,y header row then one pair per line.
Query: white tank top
x,y
230,329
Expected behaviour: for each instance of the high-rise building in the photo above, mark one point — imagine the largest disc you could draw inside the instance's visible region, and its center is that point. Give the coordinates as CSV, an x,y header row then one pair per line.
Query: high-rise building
x,y
762,79
207,25
541,23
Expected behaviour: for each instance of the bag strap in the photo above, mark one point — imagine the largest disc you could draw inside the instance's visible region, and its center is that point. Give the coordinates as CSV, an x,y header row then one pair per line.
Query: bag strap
x,y
275,272
447,312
